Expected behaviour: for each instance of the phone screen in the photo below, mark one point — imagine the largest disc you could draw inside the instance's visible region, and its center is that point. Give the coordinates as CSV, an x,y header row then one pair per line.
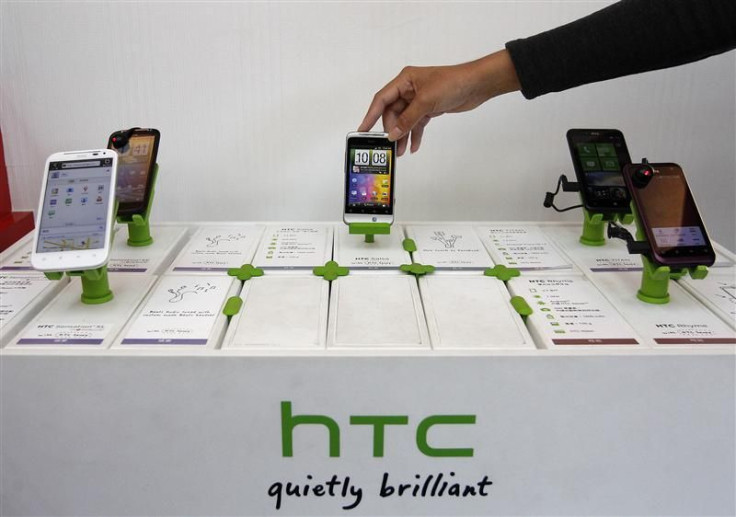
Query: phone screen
x,y
599,157
669,212
369,173
75,205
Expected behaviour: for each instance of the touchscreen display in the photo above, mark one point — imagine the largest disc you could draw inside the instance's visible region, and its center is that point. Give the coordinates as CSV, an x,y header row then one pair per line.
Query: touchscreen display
x,y
599,157
670,211
369,180
75,206
134,162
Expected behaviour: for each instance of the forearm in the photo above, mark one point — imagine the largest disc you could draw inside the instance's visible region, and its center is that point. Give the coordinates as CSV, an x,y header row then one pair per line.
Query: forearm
x,y
628,37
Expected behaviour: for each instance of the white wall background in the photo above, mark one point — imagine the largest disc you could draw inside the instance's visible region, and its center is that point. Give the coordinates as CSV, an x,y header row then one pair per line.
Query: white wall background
x,y
253,101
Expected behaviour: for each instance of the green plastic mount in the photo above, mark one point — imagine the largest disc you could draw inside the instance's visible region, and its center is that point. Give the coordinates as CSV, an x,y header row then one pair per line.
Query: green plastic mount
x,y
139,229
232,306
330,271
594,226
369,230
245,272
95,284
416,269
409,245
521,306
655,280
502,272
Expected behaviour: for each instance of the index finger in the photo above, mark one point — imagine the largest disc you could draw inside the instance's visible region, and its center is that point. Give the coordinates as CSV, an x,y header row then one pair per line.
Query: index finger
x,y
381,100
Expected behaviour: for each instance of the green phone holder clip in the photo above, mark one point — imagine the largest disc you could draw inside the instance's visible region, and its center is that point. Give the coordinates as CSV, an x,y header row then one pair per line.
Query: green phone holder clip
x,y
369,230
594,226
139,229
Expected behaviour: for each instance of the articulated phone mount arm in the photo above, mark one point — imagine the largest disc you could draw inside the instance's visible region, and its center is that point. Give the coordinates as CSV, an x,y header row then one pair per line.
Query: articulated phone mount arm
x,y
369,230
593,222
656,277
139,229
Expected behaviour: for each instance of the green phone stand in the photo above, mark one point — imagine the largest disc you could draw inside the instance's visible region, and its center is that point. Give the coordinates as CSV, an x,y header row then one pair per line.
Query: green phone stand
x,y
139,229
369,230
594,226
655,280
95,284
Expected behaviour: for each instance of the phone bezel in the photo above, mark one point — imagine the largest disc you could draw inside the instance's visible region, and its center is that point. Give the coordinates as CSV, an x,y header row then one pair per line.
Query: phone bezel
x,y
368,139
139,207
577,136
75,260
680,256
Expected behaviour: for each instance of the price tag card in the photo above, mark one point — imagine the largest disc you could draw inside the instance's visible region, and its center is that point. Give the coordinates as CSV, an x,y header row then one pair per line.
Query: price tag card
x,y
145,259
569,311
17,291
717,291
295,246
181,310
448,247
524,247
385,252
20,260
68,323
217,249
682,321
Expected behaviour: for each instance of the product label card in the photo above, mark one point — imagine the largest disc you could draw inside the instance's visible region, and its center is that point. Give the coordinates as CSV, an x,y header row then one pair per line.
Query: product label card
x,y
17,291
681,321
524,247
20,260
50,333
385,252
448,247
613,256
571,311
217,249
182,310
718,289
143,259
295,246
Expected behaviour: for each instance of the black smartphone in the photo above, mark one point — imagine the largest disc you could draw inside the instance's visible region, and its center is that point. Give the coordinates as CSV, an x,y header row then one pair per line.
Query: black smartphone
x,y
136,160
668,214
598,156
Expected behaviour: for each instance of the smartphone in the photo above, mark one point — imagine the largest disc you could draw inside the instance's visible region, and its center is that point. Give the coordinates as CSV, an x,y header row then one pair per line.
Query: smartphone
x,y
137,149
369,178
668,214
75,214
598,156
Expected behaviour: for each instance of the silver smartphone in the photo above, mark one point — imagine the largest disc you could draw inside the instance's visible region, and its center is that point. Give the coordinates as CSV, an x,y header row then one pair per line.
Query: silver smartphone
x,y
370,170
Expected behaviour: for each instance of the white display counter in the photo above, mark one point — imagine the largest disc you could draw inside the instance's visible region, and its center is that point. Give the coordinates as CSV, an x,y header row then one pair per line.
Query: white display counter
x,y
378,393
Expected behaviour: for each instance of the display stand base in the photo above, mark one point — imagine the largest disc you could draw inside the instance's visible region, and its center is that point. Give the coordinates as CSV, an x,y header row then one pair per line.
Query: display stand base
x,y
95,284
655,280
369,230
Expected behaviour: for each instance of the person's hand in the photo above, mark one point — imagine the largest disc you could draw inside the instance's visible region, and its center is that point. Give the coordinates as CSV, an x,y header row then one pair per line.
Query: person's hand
x,y
418,94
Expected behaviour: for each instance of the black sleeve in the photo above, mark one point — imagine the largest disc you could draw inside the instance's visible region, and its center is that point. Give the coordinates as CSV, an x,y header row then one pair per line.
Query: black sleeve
x,y
628,37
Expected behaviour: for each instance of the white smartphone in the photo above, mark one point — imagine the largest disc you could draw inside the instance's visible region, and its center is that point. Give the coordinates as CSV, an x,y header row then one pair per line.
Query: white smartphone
x,y
75,215
369,178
